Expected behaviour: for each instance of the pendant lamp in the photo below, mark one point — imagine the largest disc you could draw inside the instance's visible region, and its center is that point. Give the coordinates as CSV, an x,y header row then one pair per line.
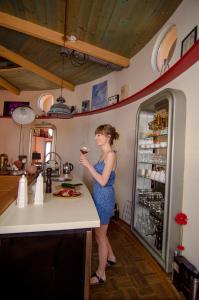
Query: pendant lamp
x,y
22,115
60,109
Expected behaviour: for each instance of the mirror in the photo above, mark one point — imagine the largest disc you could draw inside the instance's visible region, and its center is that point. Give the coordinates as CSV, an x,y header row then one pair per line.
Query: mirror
x,y
42,141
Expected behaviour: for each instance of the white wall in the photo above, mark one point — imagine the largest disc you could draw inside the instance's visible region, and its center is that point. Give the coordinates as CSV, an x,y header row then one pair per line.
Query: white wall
x,y
71,133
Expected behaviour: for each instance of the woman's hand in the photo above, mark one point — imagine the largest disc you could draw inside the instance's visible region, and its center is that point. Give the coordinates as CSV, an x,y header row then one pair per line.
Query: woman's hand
x,y
102,179
84,161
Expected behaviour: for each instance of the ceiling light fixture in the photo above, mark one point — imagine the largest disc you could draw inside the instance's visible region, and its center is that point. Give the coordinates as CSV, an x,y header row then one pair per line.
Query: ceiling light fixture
x,y
23,115
60,109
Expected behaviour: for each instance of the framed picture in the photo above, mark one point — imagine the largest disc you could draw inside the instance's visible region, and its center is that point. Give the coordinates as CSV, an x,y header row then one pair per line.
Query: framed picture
x,y
188,41
9,106
124,91
99,95
85,105
113,99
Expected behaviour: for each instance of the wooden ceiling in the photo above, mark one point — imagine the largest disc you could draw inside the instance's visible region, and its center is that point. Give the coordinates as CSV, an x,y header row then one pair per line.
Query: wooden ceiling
x,y
109,32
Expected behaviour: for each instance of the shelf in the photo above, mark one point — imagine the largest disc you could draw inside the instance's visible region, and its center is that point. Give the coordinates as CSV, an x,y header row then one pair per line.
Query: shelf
x,y
151,148
151,163
163,132
185,62
152,136
45,137
151,179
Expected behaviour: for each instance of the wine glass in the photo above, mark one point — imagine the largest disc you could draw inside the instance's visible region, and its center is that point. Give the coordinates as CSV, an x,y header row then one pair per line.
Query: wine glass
x,y
84,150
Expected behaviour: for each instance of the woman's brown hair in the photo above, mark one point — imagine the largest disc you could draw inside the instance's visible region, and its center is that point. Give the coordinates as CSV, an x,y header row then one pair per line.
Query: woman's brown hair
x,y
108,129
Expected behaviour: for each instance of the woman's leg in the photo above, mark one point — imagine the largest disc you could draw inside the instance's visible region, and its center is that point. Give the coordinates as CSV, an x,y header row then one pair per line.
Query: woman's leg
x,y
111,255
101,238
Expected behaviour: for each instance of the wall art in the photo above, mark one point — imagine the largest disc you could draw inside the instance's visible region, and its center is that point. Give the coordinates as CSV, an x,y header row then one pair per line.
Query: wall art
x,y
99,95
9,106
113,99
189,41
124,91
85,105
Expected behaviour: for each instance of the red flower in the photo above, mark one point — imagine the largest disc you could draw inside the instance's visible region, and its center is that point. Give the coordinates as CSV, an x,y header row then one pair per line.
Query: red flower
x,y
181,219
180,247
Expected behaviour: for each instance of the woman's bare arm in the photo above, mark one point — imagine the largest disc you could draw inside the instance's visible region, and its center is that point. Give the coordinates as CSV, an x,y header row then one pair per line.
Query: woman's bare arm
x,y
102,179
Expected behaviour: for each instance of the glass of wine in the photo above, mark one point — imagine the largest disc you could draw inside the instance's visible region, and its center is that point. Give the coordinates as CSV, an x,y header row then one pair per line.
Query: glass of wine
x,y
84,150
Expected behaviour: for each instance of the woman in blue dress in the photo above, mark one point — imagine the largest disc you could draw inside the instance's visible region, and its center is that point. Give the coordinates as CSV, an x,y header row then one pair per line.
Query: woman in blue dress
x,y
103,174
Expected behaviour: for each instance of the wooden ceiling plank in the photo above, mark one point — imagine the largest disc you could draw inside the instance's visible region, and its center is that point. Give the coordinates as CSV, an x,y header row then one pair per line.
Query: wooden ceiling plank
x,y
28,65
8,86
7,70
41,32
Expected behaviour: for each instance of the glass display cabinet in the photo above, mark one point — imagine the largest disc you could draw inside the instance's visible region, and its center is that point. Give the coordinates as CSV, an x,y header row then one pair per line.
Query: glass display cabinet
x,y
158,174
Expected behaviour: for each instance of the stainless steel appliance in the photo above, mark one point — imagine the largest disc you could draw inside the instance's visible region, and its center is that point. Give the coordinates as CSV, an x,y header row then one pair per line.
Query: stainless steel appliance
x,y
158,174
67,168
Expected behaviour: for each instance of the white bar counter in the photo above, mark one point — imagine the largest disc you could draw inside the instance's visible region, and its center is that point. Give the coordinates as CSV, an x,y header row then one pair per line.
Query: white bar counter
x,y
48,247
56,213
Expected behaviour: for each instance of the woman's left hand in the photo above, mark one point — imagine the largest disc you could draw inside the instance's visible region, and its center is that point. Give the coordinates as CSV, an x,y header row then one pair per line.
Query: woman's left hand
x,y
84,161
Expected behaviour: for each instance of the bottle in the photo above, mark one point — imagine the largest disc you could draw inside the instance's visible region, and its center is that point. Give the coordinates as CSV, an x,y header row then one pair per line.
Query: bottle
x,y
39,190
22,197
48,180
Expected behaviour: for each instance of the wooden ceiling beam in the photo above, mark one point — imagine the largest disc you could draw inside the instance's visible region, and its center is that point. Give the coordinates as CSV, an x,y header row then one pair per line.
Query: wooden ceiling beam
x,y
8,86
28,65
54,37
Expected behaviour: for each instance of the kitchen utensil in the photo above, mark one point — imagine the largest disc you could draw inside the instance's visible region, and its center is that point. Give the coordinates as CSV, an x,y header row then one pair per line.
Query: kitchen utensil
x,y
67,168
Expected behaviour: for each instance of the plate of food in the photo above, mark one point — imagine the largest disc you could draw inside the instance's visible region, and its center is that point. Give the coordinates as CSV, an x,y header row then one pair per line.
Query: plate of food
x,y
68,193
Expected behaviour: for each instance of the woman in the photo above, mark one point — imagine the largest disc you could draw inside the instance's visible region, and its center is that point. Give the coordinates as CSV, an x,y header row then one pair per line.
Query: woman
x,y
103,194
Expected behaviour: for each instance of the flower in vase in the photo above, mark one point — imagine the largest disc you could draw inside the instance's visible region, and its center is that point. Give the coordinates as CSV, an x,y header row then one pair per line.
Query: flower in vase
x,y
181,219
180,247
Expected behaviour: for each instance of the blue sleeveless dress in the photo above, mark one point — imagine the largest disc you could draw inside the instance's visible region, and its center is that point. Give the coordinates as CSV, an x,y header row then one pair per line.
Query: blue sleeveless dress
x,y
104,196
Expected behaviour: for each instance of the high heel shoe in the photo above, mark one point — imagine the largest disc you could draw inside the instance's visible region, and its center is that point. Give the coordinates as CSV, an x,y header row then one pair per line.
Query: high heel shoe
x,y
99,279
110,263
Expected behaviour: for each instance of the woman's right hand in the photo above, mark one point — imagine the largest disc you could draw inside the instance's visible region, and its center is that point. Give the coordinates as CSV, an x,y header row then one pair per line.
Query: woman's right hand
x,y
84,161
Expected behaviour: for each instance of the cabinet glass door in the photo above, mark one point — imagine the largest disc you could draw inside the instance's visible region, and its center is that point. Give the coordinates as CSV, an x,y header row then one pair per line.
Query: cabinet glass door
x,y
158,174
151,168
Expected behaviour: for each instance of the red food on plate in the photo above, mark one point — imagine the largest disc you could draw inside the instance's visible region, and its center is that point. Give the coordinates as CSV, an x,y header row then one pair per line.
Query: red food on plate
x,y
67,193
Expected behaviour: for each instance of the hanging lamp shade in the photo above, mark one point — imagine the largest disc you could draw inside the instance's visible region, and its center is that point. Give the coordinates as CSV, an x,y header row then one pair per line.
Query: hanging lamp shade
x,y
61,110
23,115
